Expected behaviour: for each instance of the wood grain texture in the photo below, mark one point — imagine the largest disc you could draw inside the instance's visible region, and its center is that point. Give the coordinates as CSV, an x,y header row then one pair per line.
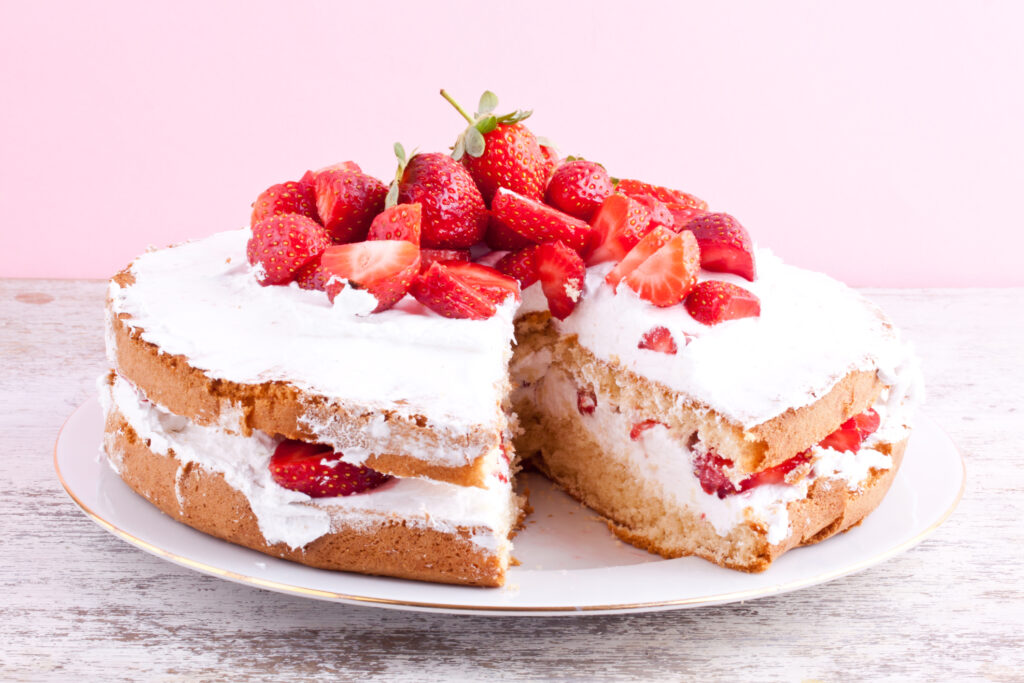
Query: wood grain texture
x,y
79,603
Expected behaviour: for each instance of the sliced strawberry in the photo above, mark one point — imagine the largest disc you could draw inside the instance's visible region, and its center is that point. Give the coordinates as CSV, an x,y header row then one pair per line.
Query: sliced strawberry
x,y
561,272
310,176
290,197
428,256
660,215
846,438
300,466
682,214
774,475
444,293
635,188
385,268
867,423
639,428
658,339
551,158
709,468
347,202
668,275
652,242
725,245
312,276
586,401
282,244
618,226
521,264
712,302
538,222
578,188
400,222
500,237
493,285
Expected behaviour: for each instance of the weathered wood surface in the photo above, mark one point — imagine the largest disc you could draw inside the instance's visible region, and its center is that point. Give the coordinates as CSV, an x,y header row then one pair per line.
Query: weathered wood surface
x,y
76,602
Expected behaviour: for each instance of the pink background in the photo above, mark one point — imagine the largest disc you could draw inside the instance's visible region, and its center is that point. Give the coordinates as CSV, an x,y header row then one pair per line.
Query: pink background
x,y
880,142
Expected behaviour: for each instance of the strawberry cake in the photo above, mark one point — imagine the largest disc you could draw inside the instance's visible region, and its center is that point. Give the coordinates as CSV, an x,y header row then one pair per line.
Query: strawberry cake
x,y
353,381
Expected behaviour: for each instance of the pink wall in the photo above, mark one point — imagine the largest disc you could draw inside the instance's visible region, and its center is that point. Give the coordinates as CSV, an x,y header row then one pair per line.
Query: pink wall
x,y
880,142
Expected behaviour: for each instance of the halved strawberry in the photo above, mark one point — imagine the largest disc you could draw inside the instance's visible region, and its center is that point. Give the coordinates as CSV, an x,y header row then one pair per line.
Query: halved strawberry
x,y
493,285
385,268
867,423
312,276
281,245
725,245
400,222
428,256
682,214
846,438
658,339
444,293
347,202
660,215
301,466
561,272
521,264
652,242
635,188
538,222
586,401
712,302
668,275
310,176
578,188
500,237
290,197
617,227
637,430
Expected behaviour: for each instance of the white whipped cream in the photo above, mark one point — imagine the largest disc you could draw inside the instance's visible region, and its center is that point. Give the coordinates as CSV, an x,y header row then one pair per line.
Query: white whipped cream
x,y
201,300
812,331
296,519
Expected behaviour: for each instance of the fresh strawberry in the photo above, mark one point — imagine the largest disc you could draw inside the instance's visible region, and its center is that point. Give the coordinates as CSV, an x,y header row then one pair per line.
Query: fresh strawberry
x,y
310,176
347,202
444,293
659,212
635,188
667,276
617,227
682,214
586,401
652,242
725,245
312,276
867,423
658,339
521,264
428,256
774,475
384,268
712,302
400,222
561,272
499,151
488,282
500,237
640,427
578,188
282,244
551,159
846,438
709,468
539,222
290,197
318,472
454,214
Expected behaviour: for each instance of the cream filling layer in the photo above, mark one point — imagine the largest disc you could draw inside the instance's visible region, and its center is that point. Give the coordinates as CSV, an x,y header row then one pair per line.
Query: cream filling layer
x,y
660,463
294,518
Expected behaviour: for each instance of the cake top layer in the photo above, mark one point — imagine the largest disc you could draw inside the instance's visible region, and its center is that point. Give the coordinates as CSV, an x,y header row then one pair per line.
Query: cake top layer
x,y
811,332
201,300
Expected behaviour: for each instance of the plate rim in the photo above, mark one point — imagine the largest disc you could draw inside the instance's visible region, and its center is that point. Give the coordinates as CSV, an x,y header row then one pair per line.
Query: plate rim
x,y
506,610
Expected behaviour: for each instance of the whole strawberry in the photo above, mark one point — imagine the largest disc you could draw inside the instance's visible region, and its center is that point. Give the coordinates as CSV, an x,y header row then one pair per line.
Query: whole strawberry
x,y
291,197
281,245
454,215
499,151
578,187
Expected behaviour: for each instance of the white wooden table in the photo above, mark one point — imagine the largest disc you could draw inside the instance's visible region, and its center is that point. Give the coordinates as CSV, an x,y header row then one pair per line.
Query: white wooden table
x,y
77,603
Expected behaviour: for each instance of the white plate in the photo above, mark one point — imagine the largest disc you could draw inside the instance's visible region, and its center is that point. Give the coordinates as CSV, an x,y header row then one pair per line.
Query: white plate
x,y
571,564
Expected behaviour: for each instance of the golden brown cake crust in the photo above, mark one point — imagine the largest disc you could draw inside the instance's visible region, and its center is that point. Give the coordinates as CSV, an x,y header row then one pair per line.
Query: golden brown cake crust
x,y
208,503
284,410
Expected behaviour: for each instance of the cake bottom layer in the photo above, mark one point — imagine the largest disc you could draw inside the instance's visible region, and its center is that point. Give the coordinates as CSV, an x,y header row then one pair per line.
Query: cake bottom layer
x,y
214,481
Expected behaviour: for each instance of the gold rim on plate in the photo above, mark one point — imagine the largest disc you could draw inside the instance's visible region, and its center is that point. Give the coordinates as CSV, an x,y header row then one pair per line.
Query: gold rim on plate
x,y
362,599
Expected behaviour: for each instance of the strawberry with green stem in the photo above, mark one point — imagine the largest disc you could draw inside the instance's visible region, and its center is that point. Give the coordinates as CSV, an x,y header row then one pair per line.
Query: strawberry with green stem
x,y
499,151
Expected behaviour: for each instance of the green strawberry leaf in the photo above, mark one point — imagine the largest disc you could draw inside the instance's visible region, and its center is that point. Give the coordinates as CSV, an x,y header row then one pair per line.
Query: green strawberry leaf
x,y
400,153
474,142
487,124
392,197
488,102
459,149
515,117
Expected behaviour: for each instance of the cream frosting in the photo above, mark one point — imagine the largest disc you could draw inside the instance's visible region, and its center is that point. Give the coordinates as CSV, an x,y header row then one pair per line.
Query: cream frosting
x,y
812,331
296,519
